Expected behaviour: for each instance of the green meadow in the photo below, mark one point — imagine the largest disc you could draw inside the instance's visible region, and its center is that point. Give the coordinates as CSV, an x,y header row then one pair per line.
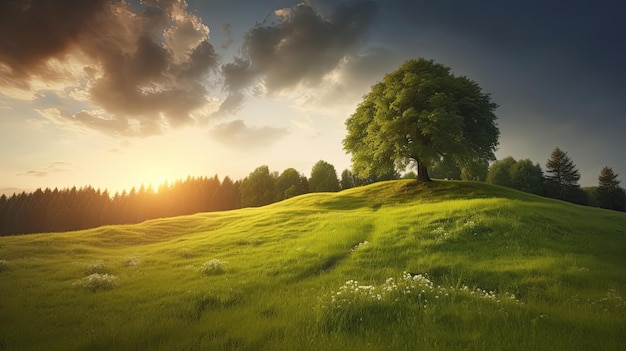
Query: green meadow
x,y
396,265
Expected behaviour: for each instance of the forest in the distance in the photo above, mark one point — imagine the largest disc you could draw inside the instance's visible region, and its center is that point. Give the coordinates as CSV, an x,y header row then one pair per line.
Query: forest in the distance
x,y
74,209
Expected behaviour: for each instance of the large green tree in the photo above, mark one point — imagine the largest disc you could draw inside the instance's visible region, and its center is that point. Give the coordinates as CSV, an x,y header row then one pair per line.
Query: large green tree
x,y
423,114
610,195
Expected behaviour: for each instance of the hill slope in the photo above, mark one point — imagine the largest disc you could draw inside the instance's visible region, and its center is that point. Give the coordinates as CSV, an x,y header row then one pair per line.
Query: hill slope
x,y
393,265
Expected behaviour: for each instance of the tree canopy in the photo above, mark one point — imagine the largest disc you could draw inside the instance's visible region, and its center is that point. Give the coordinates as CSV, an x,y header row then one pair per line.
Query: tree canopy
x,y
423,114
323,177
258,188
562,178
521,175
291,183
610,194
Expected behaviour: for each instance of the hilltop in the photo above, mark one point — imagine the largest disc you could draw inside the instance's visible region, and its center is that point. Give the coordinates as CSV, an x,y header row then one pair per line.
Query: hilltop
x,y
393,265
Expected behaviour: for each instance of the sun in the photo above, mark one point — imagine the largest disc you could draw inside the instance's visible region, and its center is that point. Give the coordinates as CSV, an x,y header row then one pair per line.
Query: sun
x,y
156,183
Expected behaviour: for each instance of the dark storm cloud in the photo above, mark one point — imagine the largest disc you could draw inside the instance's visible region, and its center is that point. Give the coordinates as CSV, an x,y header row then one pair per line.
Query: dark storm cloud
x,y
238,134
576,44
298,46
33,30
142,70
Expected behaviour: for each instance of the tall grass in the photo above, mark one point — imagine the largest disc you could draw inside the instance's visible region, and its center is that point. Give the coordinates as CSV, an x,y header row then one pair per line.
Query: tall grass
x,y
396,265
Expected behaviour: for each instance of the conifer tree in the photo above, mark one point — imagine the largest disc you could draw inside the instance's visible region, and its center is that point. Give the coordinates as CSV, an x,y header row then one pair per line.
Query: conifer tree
x,y
610,194
562,178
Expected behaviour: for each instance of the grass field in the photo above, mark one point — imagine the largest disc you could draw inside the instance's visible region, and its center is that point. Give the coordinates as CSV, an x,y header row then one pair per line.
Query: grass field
x,y
395,265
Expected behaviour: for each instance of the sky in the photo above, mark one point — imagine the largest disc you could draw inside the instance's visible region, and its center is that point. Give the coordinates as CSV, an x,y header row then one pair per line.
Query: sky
x,y
116,94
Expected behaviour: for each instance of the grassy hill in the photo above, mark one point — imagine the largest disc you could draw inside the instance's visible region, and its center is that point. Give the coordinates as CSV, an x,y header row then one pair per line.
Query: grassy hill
x,y
394,265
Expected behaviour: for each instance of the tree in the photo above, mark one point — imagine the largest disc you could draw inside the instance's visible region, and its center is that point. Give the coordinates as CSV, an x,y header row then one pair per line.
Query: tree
x,y
562,178
476,170
421,114
499,172
258,188
522,175
527,177
323,178
290,183
347,180
609,194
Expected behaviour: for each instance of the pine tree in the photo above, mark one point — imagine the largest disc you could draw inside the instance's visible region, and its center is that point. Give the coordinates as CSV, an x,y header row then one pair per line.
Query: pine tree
x,y
562,178
610,194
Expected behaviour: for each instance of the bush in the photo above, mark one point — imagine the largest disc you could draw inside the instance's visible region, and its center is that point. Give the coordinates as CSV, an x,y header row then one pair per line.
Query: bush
x,y
97,282
213,267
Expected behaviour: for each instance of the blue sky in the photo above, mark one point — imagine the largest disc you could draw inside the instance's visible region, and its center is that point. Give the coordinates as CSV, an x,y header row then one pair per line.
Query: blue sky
x,y
117,94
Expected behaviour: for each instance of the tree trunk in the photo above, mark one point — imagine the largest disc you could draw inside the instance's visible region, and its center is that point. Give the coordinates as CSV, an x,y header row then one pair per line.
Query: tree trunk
x,y
422,173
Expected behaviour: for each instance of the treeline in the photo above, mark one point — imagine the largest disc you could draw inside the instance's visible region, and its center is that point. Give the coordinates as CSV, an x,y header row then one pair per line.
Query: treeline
x,y
57,210
74,209
560,181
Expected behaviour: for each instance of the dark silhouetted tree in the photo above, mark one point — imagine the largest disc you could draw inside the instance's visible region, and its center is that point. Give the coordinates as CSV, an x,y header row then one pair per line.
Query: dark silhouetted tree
x,y
323,178
562,178
609,194
421,113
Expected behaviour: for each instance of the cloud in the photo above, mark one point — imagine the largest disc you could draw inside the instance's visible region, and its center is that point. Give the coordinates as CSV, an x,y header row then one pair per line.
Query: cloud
x,y
298,46
52,167
145,70
350,80
238,134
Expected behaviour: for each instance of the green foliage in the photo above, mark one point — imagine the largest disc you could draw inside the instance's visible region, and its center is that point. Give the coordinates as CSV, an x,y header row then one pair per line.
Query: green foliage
x,y
347,180
476,170
609,194
421,113
323,178
562,178
258,188
475,242
521,175
290,183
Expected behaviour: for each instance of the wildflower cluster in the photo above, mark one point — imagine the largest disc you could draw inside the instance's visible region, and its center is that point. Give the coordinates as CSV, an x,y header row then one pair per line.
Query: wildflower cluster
x,y
96,267
355,247
97,282
354,304
131,261
213,267
409,288
441,233
353,293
